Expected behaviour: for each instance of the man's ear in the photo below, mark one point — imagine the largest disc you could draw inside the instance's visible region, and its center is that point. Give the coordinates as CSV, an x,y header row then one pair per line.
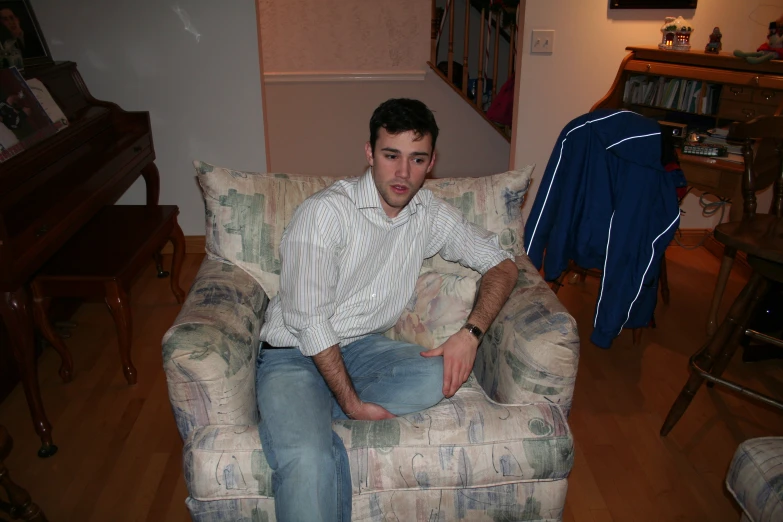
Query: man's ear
x,y
432,162
368,152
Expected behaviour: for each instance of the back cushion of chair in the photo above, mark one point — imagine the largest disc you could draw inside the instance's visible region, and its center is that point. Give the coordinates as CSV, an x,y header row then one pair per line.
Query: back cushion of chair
x,y
246,214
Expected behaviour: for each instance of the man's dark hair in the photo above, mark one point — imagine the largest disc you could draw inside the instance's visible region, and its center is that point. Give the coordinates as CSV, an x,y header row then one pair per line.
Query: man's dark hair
x,y
401,115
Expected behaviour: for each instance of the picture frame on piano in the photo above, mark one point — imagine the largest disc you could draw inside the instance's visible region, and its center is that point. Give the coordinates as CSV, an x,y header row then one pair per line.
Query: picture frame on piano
x,y
20,32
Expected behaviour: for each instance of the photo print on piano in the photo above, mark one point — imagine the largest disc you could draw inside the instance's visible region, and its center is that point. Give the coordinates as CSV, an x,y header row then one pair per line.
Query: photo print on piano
x,y
20,34
23,120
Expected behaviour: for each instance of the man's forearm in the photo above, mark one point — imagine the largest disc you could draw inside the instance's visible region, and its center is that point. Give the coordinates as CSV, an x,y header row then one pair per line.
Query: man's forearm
x,y
330,363
495,287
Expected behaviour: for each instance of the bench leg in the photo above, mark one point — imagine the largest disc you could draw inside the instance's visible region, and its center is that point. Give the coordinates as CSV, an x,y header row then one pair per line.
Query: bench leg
x,y
119,305
178,239
19,503
40,309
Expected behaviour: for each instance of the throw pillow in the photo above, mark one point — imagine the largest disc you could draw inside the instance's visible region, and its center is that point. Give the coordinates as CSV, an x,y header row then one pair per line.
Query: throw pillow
x,y
246,213
440,306
491,202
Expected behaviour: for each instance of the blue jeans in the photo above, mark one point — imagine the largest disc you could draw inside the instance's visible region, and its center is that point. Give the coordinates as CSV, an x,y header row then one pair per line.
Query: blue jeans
x,y
311,478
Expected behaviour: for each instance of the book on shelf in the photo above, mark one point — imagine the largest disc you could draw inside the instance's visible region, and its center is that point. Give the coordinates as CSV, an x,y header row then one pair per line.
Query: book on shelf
x,y
24,121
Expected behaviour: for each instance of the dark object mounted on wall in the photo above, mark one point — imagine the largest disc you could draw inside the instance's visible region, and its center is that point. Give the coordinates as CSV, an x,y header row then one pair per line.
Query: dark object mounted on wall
x,y
652,4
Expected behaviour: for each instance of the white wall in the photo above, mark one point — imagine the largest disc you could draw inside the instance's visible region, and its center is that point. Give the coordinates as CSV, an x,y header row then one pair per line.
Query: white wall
x,y
320,128
590,43
203,93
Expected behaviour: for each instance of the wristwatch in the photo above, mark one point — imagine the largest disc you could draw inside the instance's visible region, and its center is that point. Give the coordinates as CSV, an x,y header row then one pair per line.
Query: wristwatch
x,y
475,330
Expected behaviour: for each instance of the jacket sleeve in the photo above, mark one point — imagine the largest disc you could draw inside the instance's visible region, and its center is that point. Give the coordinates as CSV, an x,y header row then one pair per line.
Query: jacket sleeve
x,y
646,216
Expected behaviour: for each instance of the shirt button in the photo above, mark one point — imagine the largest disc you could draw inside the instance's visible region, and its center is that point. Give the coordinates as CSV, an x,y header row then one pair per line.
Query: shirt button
x,y
373,296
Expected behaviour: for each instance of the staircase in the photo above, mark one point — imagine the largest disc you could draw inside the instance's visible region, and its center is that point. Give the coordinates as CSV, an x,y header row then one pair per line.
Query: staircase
x,y
486,32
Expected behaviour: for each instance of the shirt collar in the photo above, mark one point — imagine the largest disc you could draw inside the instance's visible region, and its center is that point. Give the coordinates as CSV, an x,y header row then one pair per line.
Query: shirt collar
x,y
367,196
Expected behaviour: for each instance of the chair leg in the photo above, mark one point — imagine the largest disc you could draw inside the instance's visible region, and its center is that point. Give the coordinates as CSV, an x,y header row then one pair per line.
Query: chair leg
x,y
40,309
663,280
178,239
119,305
720,286
730,330
730,348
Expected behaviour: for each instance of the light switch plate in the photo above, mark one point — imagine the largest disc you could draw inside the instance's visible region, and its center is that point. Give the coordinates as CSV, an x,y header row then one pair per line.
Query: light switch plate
x,y
543,41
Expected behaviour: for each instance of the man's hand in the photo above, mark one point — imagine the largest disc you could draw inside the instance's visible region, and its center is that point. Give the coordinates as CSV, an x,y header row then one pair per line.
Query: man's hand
x,y
459,353
369,411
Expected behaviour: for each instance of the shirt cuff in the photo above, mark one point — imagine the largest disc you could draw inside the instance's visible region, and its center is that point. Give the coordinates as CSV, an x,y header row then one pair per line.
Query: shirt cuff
x,y
494,260
317,338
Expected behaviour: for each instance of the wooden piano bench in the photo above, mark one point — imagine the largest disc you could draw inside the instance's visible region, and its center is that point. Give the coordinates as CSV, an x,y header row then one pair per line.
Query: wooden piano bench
x,y
102,260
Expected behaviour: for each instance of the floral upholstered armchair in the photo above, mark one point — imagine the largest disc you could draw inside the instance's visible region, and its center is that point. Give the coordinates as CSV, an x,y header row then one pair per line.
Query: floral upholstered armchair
x,y
500,449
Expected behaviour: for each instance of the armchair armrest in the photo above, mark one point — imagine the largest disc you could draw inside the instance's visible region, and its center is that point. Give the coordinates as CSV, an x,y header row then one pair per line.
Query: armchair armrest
x,y
531,351
209,353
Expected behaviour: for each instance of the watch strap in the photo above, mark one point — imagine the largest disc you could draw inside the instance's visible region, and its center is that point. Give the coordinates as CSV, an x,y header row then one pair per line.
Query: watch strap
x,y
475,330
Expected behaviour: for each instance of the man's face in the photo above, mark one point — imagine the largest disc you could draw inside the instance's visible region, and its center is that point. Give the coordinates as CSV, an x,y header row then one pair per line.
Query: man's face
x,y
399,163
10,21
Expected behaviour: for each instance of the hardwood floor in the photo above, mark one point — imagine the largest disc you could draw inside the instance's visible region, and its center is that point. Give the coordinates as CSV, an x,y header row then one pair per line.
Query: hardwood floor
x,y
120,454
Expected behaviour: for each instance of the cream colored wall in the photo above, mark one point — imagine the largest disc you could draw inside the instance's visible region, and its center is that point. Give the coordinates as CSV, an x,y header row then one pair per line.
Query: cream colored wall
x,y
321,127
590,42
357,35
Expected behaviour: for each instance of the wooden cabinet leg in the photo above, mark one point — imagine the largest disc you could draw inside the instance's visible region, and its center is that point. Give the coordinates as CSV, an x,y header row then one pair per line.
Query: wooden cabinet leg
x,y
152,180
720,286
19,503
119,305
15,308
40,307
178,239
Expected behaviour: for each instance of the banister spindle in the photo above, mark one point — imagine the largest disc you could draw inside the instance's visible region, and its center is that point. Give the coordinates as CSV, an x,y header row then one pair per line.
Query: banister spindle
x,y
480,78
434,35
450,7
466,49
495,60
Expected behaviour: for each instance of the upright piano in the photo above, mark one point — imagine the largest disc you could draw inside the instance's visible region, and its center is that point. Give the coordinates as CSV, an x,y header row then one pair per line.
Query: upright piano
x,y
50,191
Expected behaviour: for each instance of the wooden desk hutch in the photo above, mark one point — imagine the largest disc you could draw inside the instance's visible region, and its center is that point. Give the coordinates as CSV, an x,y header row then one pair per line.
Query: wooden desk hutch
x,y
727,89
720,89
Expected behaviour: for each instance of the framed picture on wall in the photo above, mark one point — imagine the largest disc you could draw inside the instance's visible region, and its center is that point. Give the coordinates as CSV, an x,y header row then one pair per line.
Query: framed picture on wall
x,y
20,35
652,4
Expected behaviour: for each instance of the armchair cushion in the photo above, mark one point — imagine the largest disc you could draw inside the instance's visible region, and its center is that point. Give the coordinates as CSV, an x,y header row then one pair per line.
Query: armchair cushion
x,y
467,441
755,478
440,306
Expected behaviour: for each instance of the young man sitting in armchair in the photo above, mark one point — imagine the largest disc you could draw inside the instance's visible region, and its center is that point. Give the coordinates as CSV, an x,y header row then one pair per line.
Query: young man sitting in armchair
x,y
351,256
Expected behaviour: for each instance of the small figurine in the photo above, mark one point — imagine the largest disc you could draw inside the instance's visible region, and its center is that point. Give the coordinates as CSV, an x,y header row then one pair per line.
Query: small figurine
x,y
772,49
714,46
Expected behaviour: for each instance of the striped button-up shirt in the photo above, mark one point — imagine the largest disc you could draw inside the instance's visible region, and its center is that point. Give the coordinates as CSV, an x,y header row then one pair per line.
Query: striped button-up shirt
x,y
348,269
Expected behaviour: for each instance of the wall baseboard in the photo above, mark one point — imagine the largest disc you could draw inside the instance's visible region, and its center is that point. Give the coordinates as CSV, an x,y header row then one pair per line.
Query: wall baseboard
x,y
690,237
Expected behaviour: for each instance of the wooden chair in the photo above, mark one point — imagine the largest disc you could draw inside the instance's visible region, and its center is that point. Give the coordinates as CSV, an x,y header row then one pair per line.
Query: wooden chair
x,y
761,237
